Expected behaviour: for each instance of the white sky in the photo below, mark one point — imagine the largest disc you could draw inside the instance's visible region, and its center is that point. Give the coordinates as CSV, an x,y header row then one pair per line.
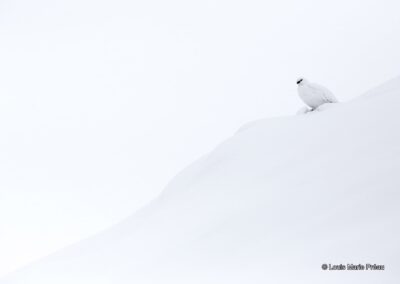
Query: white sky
x,y
103,102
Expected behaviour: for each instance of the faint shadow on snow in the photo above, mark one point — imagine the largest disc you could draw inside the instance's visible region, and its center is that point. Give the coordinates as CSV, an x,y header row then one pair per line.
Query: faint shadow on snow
x,y
302,111
306,110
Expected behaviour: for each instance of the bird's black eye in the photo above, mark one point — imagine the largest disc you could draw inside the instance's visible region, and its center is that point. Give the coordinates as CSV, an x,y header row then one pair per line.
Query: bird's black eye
x,y
298,82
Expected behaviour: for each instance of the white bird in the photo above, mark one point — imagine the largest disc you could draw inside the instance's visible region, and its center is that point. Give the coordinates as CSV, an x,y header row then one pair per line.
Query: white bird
x,y
313,94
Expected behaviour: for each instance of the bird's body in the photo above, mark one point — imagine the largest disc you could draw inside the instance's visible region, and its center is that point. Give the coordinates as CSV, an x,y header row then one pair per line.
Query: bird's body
x,y
313,94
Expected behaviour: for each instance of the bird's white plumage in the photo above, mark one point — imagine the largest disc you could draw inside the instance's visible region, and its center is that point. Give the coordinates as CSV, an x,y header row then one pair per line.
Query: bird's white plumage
x,y
313,94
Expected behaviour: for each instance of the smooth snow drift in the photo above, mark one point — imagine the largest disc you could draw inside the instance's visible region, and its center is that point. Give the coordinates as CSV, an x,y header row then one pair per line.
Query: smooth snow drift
x,y
272,204
314,95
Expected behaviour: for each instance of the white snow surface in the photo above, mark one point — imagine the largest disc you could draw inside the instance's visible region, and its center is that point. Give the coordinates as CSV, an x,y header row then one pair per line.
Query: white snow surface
x,y
269,205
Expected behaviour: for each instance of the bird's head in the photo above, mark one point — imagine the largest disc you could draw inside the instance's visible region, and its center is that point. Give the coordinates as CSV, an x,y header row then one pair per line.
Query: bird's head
x,y
300,81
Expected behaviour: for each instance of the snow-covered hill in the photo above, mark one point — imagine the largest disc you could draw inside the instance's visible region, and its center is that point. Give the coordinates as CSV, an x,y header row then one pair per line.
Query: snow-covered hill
x,y
269,205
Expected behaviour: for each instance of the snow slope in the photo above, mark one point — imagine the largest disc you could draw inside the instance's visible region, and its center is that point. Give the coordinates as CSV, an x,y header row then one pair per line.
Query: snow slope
x,y
269,205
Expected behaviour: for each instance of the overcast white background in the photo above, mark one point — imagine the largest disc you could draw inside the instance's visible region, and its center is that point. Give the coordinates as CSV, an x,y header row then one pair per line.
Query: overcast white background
x,y
103,102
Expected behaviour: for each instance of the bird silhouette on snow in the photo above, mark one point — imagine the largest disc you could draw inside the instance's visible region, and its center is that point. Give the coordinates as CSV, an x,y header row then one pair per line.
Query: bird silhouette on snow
x,y
314,95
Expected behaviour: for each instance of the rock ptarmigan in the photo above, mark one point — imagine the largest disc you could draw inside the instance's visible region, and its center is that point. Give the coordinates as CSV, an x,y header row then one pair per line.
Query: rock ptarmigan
x,y
313,94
